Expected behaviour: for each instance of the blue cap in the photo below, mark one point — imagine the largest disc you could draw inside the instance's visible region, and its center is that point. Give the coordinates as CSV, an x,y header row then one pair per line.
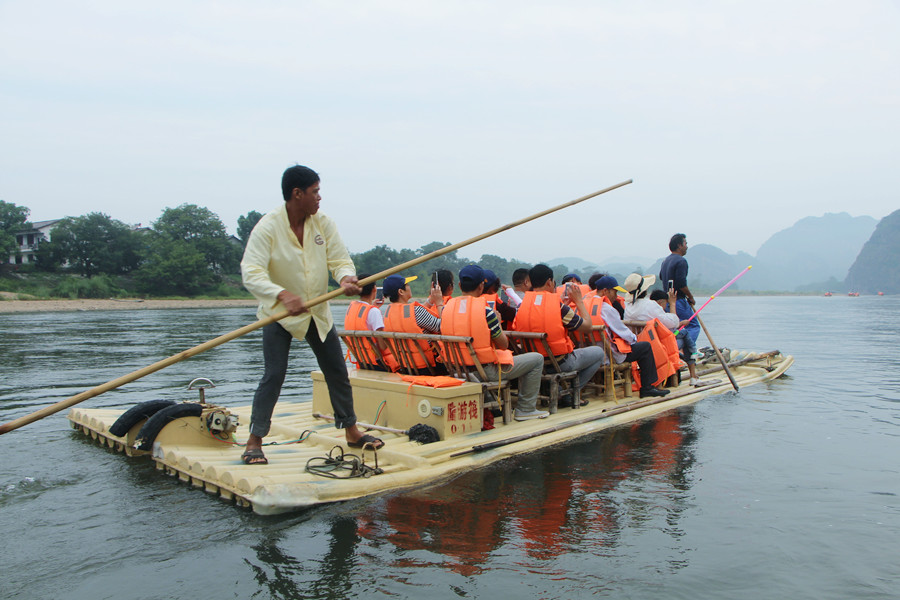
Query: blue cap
x,y
394,283
472,273
571,276
490,278
608,282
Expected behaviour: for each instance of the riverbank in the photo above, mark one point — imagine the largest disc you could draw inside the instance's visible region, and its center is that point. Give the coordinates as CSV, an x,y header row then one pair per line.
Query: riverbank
x,y
85,304
20,306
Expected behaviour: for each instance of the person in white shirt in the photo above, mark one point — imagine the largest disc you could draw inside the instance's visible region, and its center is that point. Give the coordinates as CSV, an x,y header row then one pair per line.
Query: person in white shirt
x,y
638,307
287,261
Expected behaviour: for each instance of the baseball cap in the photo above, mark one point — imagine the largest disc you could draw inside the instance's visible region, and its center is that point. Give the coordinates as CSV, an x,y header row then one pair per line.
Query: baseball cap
x,y
608,282
395,283
472,273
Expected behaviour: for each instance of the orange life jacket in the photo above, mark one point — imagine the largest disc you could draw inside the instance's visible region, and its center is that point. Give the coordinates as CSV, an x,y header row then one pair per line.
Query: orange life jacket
x,y
651,334
491,299
671,344
356,320
585,290
595,310
465,316
540,312
402,318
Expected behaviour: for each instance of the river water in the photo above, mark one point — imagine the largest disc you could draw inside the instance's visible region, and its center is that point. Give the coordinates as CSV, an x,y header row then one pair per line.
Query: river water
x,y
784,490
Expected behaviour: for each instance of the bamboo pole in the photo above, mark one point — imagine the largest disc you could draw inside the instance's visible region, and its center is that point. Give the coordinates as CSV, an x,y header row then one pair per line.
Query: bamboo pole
x,y
718,354
603,415
365,425
176,358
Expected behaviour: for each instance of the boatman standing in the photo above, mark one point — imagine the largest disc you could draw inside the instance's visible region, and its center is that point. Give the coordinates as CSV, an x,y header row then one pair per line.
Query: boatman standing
x,y
673,274
286,263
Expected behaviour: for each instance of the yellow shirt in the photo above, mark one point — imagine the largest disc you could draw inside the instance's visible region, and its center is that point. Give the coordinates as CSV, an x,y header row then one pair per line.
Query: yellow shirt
x,y
275,261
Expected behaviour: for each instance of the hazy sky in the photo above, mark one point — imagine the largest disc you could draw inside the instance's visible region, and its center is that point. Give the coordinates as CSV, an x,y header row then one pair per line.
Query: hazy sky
x,y
440,120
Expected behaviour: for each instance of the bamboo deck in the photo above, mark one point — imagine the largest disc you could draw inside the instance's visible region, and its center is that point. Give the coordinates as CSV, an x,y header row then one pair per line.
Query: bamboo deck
x,y
186,450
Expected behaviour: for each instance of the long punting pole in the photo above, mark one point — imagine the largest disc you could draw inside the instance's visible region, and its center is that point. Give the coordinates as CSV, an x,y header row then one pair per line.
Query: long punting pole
x,y
166,362
721,289
605,414
719,356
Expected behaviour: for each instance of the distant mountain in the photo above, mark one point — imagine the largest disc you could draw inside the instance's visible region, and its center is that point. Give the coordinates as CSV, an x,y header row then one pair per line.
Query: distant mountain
x,y
814,249
616,265
572,262
877,268
710,267
814,254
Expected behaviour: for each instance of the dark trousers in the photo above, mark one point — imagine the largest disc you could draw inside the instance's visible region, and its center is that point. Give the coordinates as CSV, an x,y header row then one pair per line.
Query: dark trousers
x,y
642,353
276,347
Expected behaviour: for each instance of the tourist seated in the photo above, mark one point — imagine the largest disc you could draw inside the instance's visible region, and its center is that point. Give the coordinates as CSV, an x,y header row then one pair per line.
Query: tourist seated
x,y
407,316
492,286
363,315
625,346
572,279
470,316
445,282
521,284
542,311
638,305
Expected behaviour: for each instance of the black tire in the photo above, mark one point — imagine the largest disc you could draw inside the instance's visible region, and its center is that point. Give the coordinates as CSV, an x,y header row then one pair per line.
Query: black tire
x,y
137,413
162,418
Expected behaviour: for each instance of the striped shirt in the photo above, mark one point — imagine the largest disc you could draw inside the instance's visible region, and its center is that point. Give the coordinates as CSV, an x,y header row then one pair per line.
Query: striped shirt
x,y
426,321
570,318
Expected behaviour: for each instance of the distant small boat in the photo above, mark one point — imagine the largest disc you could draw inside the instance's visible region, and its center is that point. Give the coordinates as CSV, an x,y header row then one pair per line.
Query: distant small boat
x,y
828,293
881,293
853,293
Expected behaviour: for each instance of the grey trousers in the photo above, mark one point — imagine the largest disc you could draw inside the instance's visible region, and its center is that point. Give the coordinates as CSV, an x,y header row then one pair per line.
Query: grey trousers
x,y
586,361
527,369
276,347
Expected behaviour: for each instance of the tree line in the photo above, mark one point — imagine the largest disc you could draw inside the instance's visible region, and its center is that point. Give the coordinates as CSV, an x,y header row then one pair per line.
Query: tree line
x,y
187,251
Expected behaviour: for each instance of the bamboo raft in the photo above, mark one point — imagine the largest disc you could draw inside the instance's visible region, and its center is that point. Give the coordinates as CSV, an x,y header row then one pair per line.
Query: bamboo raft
x,y
300,436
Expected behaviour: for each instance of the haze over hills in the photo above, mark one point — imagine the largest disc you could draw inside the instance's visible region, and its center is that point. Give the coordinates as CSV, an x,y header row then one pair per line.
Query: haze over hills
x,y
814,254
877,268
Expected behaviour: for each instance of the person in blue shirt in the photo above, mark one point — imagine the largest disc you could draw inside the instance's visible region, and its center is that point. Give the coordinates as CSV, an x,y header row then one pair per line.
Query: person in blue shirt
x,y
673,273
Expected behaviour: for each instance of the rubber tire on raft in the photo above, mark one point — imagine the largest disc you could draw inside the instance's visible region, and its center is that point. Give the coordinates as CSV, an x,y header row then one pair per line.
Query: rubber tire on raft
x,y
162,418
137,413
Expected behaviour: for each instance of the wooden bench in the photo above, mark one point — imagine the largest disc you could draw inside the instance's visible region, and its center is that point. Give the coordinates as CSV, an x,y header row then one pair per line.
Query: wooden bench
x,y
556,379
612,374
452,352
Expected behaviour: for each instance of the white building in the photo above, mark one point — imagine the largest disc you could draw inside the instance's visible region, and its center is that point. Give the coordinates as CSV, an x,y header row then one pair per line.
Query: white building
x,y
27,241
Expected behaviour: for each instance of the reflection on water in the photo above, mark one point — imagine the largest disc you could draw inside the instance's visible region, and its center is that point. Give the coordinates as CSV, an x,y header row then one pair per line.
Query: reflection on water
x,y
787,489
547,504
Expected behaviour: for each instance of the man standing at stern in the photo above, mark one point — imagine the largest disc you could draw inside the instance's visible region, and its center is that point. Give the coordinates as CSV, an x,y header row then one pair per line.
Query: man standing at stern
x,y
673,274
286,263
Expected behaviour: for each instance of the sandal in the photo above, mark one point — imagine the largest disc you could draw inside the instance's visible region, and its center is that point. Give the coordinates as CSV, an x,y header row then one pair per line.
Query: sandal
x,y
254,457
373,442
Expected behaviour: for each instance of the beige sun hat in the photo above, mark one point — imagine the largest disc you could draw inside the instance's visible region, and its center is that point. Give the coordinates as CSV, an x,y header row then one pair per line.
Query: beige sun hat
x,y
639,283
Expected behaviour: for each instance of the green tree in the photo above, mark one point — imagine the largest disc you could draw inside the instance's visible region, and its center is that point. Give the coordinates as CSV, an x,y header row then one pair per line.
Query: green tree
x,y
204,231
173,267
246,223
92,244
12,219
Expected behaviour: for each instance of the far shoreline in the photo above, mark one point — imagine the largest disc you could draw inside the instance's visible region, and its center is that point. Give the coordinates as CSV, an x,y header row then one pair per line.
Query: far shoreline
x,y
8,306
92,304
